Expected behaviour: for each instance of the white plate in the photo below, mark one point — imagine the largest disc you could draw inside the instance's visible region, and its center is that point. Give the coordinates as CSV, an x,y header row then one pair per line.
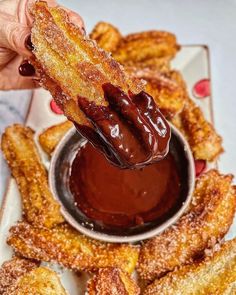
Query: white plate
x,y
192,61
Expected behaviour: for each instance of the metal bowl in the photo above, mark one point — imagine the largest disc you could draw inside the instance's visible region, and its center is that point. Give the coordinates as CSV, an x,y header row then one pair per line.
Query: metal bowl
x,y
59,173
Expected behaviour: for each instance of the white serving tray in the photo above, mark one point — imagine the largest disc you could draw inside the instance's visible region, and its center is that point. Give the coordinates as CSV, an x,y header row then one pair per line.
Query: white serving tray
x,y
192,61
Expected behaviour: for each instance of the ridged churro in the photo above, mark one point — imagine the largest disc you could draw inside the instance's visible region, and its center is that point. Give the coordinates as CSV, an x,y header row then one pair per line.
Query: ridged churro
x,y
205,143
69,248
107,105
216,274
19,149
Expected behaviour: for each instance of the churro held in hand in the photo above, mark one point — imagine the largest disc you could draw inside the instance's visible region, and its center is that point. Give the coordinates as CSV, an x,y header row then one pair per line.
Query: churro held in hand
x,y
106,105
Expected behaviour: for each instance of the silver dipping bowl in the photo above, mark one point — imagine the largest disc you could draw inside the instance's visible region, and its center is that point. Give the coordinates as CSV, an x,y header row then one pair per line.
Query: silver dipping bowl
x,y
59,173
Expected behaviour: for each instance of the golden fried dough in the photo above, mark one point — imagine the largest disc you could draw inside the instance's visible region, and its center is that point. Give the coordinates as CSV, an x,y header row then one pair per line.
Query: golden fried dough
x,y
40,281
12,270
214,275
19,149
208,220
159,65
106,35
50,137
147,49
112,281
69,248
71,65
205,143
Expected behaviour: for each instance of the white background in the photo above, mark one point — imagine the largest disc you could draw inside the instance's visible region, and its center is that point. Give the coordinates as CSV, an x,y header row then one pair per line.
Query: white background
x,y
194,22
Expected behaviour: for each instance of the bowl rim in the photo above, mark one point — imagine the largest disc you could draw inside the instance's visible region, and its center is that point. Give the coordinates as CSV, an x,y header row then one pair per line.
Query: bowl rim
x,y
114,238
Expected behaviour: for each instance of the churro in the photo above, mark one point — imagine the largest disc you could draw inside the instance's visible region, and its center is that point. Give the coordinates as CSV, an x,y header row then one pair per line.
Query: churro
x,y
65,245
107,106
19,149
216,274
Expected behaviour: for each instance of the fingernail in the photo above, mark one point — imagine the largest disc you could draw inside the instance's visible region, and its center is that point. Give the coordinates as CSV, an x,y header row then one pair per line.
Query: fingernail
x,y
26,69
28,43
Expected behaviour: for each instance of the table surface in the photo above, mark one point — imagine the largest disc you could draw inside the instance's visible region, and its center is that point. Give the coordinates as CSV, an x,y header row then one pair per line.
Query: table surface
x,y
209,22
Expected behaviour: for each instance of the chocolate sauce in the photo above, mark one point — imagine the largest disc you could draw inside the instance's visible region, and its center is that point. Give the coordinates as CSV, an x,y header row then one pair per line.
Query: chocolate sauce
x,y
118,198
130,131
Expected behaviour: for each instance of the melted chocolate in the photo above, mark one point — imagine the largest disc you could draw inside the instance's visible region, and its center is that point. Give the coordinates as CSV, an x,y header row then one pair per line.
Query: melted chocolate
x,y
118,198
130,131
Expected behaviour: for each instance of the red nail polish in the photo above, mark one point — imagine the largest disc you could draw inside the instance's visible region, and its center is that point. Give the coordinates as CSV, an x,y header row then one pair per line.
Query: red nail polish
x,y
26,69
28,43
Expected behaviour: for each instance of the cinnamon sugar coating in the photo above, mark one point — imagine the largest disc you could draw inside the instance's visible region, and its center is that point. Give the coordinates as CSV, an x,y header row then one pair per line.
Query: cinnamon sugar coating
x,y
112,281
216,274
39,206
68,247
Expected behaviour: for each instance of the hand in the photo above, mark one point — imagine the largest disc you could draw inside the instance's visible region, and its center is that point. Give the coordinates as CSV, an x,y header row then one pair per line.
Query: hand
x,y
15,25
